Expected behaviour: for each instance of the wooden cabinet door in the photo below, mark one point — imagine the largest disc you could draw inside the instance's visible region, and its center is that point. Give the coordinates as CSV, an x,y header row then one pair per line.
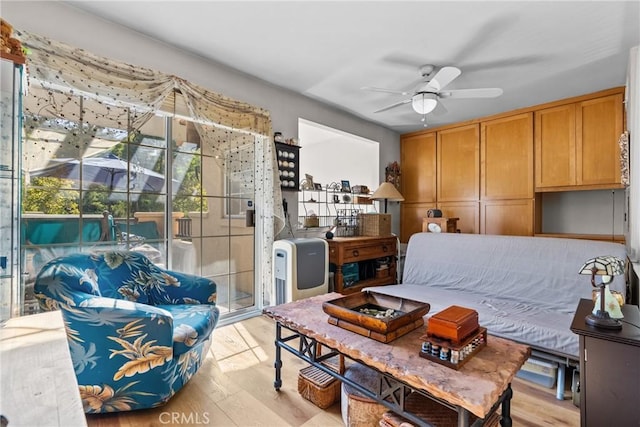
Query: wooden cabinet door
x,y
467,212
506,158
411,218
507,217
418,162
555,147
577,144
458,153
599,125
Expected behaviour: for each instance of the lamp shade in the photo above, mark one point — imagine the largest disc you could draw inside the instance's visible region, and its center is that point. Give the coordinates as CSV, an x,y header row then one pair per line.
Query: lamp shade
x,y
605,265
387,191
606,310
424,102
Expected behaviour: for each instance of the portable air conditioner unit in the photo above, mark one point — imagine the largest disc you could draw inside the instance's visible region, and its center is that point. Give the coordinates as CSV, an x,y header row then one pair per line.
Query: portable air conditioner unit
x,y
300,268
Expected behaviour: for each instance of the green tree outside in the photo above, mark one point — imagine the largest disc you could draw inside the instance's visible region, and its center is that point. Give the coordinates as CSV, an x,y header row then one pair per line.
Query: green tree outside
x,y
47,195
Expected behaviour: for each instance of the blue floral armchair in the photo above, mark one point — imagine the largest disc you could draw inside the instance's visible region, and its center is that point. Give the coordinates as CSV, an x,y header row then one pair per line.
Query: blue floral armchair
x,y
137,333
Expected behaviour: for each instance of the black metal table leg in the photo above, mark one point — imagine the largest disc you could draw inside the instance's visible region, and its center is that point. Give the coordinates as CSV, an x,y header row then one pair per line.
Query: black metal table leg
x,y
506,408
463,417
278,363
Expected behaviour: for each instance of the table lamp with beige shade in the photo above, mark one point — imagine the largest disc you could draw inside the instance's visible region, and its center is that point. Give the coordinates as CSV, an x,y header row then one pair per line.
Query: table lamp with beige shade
x,y
387,191
606,311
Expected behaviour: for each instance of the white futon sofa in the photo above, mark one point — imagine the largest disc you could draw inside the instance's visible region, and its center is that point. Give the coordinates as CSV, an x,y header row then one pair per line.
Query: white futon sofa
x,y
524,288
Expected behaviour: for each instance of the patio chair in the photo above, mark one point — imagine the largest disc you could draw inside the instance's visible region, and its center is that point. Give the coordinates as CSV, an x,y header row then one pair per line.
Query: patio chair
x,y
137,333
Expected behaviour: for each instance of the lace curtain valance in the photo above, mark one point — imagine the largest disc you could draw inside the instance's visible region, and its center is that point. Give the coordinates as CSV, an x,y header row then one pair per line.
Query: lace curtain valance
x,y
128,84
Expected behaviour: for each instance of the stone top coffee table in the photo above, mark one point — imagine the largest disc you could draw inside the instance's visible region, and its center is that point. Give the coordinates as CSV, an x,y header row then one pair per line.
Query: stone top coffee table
x,y
478,388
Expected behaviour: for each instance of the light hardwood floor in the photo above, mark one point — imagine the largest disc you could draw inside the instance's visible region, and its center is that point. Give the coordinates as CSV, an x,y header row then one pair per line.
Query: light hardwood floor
x,y
234,387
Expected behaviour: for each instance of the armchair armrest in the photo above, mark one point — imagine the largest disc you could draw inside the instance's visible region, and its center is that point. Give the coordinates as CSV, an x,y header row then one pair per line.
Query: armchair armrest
x,y
183,288
110,339
127,308
116,317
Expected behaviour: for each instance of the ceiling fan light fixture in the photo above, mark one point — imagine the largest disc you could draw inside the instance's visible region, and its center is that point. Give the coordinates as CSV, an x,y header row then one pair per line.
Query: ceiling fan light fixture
x,y
424,103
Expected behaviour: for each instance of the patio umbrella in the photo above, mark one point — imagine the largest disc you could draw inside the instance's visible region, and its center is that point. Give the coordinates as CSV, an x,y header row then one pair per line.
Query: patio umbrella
x,y
111,172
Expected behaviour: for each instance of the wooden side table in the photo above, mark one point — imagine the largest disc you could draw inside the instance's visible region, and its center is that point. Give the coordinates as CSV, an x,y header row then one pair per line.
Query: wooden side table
x,y
361,254
447,225
609,369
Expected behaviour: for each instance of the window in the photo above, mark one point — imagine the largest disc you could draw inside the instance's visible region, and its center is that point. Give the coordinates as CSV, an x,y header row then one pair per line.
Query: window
x,y
81,160
333,157
330,155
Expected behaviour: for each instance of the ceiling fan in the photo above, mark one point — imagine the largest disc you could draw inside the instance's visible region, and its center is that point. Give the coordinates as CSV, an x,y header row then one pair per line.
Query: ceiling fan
x,y
424,98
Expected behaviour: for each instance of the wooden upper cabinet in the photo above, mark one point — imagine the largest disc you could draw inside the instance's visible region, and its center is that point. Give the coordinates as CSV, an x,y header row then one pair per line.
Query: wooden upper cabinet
x,y
458,152
506,158
576,144
599,123
555,146
418,162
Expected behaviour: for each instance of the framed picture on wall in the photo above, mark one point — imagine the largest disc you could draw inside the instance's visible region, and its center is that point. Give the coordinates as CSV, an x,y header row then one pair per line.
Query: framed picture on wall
x,y
307,183
317,186
346,187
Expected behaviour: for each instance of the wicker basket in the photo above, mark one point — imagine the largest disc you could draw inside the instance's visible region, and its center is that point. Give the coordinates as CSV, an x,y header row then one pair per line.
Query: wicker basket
x,y
358,410
432,412
311,221
362,200
318,387
371,224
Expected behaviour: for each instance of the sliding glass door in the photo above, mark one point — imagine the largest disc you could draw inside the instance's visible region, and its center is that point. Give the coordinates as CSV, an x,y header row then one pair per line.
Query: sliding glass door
x,y
92,183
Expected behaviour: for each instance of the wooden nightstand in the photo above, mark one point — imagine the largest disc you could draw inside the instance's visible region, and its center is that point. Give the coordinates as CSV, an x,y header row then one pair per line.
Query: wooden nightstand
x,y
609,369
355,262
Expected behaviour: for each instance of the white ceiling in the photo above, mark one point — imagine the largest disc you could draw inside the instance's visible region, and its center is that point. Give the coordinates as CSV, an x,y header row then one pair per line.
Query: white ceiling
x,y
327,50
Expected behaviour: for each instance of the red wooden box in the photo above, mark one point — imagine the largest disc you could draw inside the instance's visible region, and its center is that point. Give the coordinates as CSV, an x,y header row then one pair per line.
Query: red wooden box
x,y
454,323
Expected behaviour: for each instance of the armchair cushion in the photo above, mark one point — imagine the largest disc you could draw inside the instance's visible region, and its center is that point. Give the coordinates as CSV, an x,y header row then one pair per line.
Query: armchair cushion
x,y
136,332
179,288
192,324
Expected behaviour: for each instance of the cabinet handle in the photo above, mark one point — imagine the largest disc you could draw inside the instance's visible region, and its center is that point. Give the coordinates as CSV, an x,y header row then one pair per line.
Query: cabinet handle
x,y
356,253
384,248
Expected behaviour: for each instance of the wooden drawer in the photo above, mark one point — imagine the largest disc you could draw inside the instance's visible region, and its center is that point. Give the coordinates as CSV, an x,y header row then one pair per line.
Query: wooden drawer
x,y
366,252
361,250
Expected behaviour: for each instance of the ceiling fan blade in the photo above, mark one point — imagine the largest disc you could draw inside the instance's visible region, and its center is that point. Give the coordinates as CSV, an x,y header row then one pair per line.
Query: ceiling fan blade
x,y
379,89
397,104
487,92
443,77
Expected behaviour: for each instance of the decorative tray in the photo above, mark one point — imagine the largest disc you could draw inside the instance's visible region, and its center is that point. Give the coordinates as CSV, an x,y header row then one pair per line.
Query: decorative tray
x,y
453,355
356,313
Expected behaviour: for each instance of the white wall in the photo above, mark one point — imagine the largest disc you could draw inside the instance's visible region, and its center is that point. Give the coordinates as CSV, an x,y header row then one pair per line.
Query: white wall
x,y
633,125
331,156
584,212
